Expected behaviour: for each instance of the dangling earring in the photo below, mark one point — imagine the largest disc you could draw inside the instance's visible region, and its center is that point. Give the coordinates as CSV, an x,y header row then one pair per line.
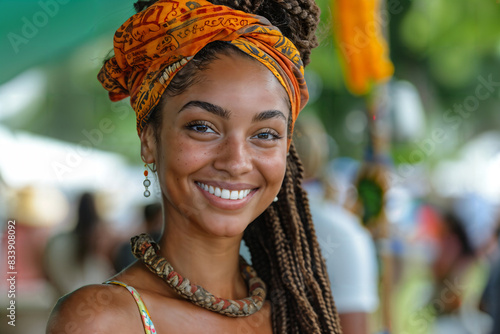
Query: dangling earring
x,y
146,182
275,199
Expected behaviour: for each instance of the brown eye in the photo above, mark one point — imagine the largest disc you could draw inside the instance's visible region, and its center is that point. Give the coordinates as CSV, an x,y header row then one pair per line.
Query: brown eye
x,y
265,135
268,135
201,127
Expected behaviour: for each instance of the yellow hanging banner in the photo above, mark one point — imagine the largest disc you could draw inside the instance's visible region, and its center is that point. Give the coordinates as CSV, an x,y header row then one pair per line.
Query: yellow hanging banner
x,y
357,27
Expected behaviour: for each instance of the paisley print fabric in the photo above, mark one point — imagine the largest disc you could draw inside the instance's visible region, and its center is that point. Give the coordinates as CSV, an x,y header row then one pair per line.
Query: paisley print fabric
x,y
153,45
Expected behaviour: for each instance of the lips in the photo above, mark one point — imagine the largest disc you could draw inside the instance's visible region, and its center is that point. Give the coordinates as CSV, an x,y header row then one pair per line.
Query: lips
x,y
225,193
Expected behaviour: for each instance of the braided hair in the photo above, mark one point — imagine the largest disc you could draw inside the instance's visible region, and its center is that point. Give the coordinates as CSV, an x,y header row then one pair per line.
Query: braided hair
x,y
285,253
282,242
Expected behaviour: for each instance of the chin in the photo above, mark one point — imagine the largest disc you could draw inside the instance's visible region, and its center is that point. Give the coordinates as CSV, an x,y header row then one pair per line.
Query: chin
x,y
227,227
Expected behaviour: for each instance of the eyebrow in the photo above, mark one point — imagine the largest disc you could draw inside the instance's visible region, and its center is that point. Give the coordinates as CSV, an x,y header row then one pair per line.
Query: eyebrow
x,y
268,114
223,113
212,108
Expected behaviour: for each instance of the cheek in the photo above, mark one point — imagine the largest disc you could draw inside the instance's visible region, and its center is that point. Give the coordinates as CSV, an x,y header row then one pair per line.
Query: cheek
x,y
273,170
181,158
175,162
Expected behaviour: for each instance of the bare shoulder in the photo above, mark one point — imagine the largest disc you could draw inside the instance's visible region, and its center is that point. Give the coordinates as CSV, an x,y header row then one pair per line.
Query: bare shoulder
x,y
96,309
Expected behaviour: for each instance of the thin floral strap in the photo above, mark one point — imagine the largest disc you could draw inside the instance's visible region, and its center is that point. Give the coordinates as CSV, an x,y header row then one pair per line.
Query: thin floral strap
x,y
149,328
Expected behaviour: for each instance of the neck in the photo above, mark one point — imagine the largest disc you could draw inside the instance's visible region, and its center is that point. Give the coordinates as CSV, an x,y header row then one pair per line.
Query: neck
x,y
208,261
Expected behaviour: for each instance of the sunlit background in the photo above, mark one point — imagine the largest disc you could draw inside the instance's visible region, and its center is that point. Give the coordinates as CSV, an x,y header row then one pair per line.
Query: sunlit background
x,y
438,120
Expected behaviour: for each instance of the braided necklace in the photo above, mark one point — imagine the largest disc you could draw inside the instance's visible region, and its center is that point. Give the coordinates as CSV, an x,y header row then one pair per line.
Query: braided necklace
x,y
147,250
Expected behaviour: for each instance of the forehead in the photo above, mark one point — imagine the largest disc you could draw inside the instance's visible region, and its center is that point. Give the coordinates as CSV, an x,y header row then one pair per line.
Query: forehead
x,y
241,70
237,82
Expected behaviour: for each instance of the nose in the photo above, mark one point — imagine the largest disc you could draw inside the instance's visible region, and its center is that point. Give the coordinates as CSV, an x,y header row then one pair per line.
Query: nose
x,y
233,156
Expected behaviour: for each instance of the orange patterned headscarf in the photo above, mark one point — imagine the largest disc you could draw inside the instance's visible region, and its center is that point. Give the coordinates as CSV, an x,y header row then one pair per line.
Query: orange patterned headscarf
x,y
153,45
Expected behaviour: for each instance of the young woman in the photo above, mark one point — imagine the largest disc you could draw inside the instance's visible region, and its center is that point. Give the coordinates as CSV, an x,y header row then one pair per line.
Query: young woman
x,y
216,88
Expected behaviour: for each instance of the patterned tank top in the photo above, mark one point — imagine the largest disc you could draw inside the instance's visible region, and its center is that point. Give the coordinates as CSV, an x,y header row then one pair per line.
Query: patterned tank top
x,y
149,328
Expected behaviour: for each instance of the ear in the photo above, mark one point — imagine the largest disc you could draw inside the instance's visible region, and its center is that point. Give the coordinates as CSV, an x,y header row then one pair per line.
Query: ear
x,y
148,144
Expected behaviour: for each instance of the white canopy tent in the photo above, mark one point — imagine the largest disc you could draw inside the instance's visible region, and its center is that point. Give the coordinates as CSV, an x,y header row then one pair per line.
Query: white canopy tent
x,y
29,160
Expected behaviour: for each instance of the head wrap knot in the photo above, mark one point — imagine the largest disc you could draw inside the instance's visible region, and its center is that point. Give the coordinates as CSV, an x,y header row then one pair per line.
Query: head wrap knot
x,y
153,45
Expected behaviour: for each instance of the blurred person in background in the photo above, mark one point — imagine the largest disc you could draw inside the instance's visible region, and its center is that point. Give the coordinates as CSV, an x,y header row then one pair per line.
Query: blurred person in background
x,y
348,248
466,230
32,212
153,221
78,257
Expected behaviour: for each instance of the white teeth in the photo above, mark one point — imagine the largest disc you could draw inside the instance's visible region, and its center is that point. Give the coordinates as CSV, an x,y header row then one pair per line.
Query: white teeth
x,y
225,193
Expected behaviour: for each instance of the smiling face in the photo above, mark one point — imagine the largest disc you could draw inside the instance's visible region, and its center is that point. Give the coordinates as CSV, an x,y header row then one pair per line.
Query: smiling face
x,y
221,155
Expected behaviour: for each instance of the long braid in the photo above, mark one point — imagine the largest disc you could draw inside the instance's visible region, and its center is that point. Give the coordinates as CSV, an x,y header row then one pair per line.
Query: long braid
x,y
326,303
297,285
296,229
307,230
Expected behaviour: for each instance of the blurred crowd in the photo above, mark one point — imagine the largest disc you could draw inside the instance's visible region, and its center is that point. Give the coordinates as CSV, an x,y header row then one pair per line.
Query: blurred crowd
x,y
63,242
429,265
